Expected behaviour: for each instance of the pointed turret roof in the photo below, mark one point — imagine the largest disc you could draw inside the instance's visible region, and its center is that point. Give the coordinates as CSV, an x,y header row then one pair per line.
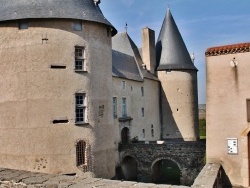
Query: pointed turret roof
x,y
171,51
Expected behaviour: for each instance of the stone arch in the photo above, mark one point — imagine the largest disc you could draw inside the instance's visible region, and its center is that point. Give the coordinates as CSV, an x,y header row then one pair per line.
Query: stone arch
x,y
129,167
166,170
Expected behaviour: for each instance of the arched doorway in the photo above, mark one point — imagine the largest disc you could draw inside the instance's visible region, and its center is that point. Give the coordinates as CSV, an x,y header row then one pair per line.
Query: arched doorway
x,y
129,168
125,135
166,172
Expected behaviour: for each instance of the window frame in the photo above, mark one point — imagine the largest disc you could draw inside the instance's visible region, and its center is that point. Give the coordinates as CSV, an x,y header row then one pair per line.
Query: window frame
x,y
79,64
80,108
123,85
114,107
124,107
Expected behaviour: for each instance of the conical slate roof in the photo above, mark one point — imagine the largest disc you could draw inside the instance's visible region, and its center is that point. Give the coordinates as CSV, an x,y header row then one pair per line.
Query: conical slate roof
x,y
171,51
65,9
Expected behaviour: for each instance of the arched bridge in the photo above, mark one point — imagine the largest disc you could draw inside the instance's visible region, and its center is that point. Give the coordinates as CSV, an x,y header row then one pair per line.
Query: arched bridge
x,y
173,162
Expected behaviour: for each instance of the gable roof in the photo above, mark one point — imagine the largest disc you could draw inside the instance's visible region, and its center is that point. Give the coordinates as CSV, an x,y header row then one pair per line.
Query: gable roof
x,y
171,51
228,49
127,61
70,9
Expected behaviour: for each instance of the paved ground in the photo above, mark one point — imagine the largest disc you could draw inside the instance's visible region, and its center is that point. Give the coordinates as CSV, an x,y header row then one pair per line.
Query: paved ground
x,y
24,179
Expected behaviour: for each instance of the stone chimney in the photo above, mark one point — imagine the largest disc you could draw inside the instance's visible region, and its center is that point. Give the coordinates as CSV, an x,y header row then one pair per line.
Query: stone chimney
x,y
148,49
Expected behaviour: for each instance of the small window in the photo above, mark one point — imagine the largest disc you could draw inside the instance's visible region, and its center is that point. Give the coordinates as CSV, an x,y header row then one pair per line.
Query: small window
x,y
114,107
142,91
80,153
143,133
152,130
123,85
124,107
79,58
23,25
142,112
77,26
248,110
80,108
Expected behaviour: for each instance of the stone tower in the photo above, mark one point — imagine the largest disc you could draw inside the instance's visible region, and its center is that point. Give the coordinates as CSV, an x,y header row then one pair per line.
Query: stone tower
x,y
178,76
56,83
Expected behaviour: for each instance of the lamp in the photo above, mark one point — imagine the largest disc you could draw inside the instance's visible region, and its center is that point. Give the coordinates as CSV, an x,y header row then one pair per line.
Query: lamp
x,y
233,63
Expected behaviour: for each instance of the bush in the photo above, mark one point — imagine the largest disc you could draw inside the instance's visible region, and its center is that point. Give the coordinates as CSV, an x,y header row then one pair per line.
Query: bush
x,y
202,127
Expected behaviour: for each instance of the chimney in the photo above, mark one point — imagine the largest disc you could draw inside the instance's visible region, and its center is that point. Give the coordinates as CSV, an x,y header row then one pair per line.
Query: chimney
x,y
148,49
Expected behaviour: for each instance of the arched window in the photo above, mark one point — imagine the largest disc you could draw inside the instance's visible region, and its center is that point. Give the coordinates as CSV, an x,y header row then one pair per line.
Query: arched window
x,y
80,153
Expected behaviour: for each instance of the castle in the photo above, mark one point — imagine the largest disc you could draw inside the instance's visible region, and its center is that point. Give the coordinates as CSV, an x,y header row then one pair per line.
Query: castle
x,y
73,88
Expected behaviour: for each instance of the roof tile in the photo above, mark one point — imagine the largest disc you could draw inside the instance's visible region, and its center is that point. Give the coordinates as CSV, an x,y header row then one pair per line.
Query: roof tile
x,y
228,49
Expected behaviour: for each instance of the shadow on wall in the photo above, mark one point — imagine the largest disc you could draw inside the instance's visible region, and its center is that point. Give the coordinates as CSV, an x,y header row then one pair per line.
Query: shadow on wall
x,y
127,170
169,126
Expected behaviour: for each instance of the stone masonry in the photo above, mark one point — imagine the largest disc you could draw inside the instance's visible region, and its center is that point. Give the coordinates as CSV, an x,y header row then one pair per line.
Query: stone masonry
x,y
189,156
25,179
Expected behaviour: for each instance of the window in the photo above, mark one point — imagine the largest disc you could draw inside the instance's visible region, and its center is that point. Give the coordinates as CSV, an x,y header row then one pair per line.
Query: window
x,y
80,108
152,130
79,58
77,26
248,110
123,85
80,153
142,91
114,107
142,112
124,107
143,133
23,25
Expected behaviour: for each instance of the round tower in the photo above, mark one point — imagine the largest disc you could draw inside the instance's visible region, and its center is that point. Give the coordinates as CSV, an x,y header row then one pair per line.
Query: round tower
x,y
178,76
55,87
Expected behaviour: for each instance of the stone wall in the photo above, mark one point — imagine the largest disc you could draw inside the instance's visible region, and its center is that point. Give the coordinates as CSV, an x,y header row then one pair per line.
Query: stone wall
x,y
189,156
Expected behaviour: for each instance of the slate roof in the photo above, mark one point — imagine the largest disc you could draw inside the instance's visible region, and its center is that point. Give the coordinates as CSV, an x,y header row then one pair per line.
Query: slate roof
x,y
127,61
171,51
69,9
124,66
228,49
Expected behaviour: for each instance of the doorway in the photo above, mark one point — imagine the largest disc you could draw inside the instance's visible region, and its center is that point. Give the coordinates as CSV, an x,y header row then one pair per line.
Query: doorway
x,y
125,135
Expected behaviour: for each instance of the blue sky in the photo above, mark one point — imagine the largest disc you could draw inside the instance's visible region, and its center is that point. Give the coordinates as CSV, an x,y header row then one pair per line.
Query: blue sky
x,y
202,24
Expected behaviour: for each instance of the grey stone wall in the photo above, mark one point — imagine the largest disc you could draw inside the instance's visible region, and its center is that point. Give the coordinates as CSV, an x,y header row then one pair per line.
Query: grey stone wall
x,y
189,156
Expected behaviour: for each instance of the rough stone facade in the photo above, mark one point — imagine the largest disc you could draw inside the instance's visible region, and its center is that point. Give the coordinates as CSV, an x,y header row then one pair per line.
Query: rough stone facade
x,y
188,156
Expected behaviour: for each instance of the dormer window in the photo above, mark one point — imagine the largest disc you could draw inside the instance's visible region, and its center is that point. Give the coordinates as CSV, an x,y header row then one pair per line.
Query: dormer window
x,y
77,26
23,24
